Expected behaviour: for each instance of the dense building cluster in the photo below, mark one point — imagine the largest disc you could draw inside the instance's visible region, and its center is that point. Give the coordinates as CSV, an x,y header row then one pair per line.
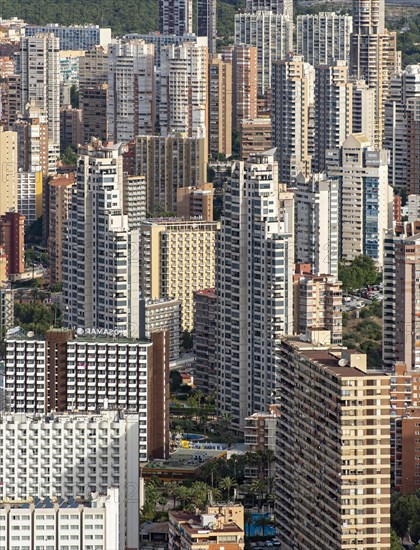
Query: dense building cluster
x,y
192,185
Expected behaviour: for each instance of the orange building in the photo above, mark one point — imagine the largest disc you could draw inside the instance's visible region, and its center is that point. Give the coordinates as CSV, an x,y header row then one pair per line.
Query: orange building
x,y
12,238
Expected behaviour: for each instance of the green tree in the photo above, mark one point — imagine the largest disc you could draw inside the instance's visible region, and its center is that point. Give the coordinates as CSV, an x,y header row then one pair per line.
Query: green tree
x,y
187,340
405,511
171,490
395,541
69,157
175,381
226,484
263,522
259,486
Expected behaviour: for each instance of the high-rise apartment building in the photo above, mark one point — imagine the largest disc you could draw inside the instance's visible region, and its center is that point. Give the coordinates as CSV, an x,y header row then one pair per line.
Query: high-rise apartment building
x,y
373,55
404,87
330,492
292,102
204,342
323,38
333,110
100,252
40,78
195,202
131,94
318,303
244,82
175,16
75,37
162,315
281,7
183,100
366,199
70,455
9,100
30,196
413,144
363,110
317,223
178,258
135,200
8,171
271,34
58,189
401,325
207,21
71,127
167,164
70,371
220,107
254,286
12,240
255,136
159,41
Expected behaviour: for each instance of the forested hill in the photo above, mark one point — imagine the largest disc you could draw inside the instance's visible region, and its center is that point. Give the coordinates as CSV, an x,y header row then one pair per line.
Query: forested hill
x,y
121,15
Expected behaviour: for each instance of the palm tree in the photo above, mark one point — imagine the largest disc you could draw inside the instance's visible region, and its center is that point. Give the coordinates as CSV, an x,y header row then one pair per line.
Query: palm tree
x,y
263,522
183,494
171,489
226,484
260,487
248,522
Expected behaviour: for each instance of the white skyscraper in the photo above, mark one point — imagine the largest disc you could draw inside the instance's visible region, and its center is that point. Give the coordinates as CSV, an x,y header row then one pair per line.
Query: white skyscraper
x,y
281,7
40,78
292,116
183,90
323,38
100,253
271,34
253,285
366,199
317,223
131,90
73,454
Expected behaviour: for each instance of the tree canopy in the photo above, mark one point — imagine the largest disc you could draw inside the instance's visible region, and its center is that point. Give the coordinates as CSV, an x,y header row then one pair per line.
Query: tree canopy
x,y
359,273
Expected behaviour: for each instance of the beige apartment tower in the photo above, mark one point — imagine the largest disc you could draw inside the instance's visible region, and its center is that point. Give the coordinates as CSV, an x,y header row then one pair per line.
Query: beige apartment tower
x,y
8,171
255,136
220,107
333,450
178,258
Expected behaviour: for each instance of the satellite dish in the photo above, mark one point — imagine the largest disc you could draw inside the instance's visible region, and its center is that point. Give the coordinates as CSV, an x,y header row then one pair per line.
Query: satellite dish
x,y
342,363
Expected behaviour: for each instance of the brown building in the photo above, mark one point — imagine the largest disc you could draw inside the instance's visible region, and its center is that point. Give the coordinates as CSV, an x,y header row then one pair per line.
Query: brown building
x,y
244,82
254,136
221,527
195,202
318,303
204,342
7,66
93,103
397,208
59,189
126,374
413,145
71,127
220,107
9,99
12,239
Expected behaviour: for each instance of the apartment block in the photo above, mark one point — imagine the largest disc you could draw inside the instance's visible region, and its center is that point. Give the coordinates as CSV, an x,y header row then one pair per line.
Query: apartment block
x,y
30,196
220,107
35,520
220,524
363,110
9,100
131,93
366,197
271,34
244,81
94,104
255,136
281,7
70,371
333,110
292,101
323,38
178,259
100,251
261,431
413,144
167,164
318,303
159,41
183,95
71,127
254,288
75,37
204,342
73,454
195,202
135,200
317,223
333,486
13,241
9,171
207,22
162,315
42,86
175,16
